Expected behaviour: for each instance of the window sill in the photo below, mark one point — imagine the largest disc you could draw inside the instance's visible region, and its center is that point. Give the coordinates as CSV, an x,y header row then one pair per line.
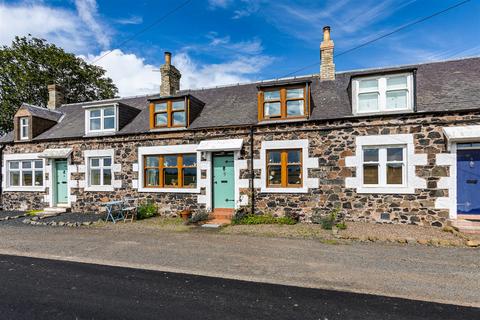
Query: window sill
x,y
25,189
386,190
169,190
383,112
284,190
99,188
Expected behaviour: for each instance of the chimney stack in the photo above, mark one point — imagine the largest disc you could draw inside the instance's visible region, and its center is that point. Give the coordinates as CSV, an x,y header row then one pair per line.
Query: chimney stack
x,y
55,96
327,67
170,77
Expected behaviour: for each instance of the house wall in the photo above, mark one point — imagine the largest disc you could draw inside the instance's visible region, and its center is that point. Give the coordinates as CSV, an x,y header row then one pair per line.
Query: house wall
x,y
331,148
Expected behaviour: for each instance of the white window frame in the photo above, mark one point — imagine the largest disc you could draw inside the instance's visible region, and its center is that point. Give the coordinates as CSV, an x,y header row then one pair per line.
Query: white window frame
x,y
382,166
22,126
102,168
166,150
411,180
102,117
93,154
382,92
8,158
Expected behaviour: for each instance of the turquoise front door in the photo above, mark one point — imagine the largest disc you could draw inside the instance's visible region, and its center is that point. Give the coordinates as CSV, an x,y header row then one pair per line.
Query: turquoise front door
x,y
223,182
61,182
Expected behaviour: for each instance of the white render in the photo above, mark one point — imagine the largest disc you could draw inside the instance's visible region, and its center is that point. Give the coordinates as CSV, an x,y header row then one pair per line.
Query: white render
x,y
220,145
462,134
412,180
307,163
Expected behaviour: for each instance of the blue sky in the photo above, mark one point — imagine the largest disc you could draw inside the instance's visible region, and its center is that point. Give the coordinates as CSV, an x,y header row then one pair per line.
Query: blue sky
x,y
216,42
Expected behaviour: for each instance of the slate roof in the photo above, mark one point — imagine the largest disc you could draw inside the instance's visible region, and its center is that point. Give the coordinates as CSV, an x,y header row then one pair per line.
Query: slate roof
x,y
43,113
440,86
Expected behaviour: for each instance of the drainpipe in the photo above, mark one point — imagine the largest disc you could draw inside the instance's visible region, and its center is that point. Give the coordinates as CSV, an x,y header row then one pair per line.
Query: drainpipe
x,y
1,176
252,187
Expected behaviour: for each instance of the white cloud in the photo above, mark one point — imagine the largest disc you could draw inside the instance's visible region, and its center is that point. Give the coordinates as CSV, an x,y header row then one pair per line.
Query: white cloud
x,y
130,20
219,3
68,29
134,77
88,13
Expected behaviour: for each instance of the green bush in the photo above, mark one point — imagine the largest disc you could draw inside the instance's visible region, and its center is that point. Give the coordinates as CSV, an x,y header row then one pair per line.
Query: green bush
x,y
198,216
341,225
146,210
263,219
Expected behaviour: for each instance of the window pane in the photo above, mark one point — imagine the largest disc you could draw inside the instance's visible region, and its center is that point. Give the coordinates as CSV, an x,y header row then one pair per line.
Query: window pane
x,y
95,124
189,177
295,93
14,165
397,99
151,161
95,113
38,164
38,178
24,132
109,123
170,161
368,85
109,111
271,95
394,173
367,102
394,154
107,162
189,160
152,177
272,109
95,162
179,118
294,175
395,83
294,156
15,178
370,155
274,157
170,177
178,105
95,177
161,119
26,164
161,107
274,175
295,108
24,121
107,177
370,174
27,178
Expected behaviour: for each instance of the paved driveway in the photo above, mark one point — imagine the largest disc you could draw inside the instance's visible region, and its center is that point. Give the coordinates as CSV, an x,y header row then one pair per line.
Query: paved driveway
x,y
449,275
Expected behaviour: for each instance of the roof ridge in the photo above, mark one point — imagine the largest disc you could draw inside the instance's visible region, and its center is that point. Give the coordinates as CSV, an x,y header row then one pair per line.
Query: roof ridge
x,y
112,99
41,108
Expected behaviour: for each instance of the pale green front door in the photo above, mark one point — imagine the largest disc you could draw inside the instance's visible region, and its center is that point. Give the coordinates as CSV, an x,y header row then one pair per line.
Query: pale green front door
x,y
223,182
61,182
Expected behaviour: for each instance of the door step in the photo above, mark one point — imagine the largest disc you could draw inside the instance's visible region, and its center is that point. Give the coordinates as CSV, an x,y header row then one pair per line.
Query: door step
x,y
56,210
467,226
221,216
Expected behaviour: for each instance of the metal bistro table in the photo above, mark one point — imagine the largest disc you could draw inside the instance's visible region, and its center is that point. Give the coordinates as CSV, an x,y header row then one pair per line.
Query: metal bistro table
x,y
114,211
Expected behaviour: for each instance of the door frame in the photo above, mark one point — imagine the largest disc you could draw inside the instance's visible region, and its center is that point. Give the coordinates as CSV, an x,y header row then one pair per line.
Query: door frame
x,y
219,154
53,186
455,215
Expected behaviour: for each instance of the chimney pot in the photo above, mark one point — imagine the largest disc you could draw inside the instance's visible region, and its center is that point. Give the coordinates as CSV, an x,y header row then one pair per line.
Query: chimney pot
x,y
168,58
55,96
327,67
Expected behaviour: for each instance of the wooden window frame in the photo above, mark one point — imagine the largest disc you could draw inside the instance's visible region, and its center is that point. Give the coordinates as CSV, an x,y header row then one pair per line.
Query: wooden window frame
x,y
169,111
283,102
161,167
284,168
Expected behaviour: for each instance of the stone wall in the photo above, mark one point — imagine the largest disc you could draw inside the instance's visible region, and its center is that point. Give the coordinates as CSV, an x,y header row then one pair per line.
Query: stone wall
x,y
330,142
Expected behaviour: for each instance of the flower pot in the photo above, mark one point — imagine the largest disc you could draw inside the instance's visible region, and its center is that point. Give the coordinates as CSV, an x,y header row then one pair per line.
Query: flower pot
x,y
185,214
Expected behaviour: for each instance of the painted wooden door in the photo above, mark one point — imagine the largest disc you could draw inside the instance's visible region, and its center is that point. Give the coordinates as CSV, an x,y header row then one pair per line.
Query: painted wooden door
x,y
468,181
61,181
223,182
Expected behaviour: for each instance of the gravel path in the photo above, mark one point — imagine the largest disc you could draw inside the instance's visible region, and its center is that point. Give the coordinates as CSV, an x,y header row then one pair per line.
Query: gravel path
x,y
75,217
448,275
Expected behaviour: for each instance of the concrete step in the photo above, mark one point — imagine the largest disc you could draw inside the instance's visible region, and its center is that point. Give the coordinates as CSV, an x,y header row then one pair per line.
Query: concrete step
x,y
222,214
56,210
467,226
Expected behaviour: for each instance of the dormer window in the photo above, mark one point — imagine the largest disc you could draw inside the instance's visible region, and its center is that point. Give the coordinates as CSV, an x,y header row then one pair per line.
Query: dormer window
x,y
101,119
168,113
24,128
383,94
283,103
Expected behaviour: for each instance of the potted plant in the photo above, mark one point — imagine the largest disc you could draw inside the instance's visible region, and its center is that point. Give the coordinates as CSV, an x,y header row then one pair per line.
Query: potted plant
x,y
185,214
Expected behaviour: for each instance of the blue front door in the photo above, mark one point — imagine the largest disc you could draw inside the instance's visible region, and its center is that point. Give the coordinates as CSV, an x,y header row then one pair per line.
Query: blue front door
x,y
468,181
223,182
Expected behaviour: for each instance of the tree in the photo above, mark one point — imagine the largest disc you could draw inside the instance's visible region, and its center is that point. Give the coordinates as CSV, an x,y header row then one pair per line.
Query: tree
x,y
30,64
